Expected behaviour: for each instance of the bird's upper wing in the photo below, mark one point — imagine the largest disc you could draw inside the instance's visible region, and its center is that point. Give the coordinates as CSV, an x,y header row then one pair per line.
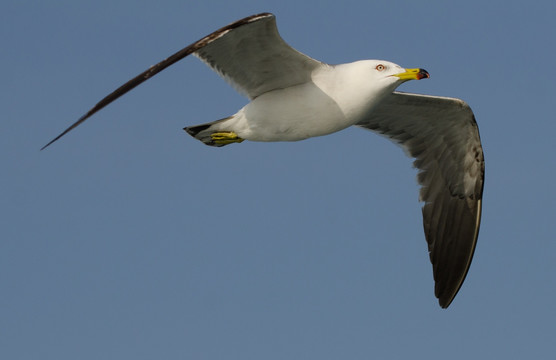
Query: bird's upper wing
x,y
254,58
248,53
441,133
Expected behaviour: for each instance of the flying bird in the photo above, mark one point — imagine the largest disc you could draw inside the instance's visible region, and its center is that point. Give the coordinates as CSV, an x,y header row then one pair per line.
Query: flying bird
x,y
294,97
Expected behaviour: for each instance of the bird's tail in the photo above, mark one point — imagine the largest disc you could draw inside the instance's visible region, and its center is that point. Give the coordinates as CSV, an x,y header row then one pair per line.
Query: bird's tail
x,y
212,133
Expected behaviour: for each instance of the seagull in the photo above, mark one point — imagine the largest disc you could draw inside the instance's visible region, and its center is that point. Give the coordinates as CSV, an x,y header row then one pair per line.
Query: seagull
x,y
294,97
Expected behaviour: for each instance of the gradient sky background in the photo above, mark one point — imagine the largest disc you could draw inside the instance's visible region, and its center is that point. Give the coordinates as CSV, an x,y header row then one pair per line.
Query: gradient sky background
x,y
130,240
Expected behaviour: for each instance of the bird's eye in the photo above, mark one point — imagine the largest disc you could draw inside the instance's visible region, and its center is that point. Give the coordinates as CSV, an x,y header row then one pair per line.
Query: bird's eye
x,y
380,67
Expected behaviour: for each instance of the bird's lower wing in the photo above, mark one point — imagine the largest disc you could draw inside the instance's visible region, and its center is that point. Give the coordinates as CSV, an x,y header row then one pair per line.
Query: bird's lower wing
x,y
443,137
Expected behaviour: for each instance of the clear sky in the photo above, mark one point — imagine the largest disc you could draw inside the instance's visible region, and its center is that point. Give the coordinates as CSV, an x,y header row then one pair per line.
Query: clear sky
x,y
128,239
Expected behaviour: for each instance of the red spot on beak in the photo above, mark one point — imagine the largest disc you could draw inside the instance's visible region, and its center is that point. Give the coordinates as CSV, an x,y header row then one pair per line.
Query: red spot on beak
x,y
423,74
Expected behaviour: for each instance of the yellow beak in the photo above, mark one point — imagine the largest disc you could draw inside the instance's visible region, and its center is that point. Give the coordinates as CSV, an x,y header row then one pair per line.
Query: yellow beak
x,y
413,74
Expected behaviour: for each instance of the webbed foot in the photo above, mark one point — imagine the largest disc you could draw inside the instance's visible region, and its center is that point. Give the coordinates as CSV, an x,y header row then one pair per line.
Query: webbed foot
x,y
225,138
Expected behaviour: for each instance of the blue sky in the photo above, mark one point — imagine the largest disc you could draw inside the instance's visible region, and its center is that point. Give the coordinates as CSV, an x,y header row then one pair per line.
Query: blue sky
x,y
129,239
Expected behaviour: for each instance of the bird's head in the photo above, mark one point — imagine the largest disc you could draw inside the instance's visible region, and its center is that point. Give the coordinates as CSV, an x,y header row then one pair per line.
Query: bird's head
x,y
393,73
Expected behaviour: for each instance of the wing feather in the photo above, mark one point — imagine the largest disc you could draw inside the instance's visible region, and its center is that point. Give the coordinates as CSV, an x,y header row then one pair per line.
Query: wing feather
x,y
443,137
255,59
248,53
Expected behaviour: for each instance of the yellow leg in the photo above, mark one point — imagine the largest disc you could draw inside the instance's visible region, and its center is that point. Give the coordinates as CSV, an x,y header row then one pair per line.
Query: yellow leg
x,y
225,137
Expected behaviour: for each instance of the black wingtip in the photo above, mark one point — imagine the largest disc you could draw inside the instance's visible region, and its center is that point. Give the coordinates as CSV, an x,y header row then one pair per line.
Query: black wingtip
x,y
47,145
445,303
53,140
71,127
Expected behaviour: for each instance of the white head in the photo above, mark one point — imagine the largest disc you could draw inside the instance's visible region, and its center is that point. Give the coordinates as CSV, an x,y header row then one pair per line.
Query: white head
x,y
360,85
380,75
382,71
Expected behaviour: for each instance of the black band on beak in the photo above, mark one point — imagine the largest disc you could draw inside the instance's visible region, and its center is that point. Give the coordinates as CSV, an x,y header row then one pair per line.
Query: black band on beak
x,y
423,74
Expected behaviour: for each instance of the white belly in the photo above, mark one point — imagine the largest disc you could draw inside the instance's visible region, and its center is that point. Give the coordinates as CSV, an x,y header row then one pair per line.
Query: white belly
x,y
291,114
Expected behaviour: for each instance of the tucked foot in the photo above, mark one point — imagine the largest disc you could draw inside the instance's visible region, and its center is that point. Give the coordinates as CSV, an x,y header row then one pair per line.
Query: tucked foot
x,y
225,138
